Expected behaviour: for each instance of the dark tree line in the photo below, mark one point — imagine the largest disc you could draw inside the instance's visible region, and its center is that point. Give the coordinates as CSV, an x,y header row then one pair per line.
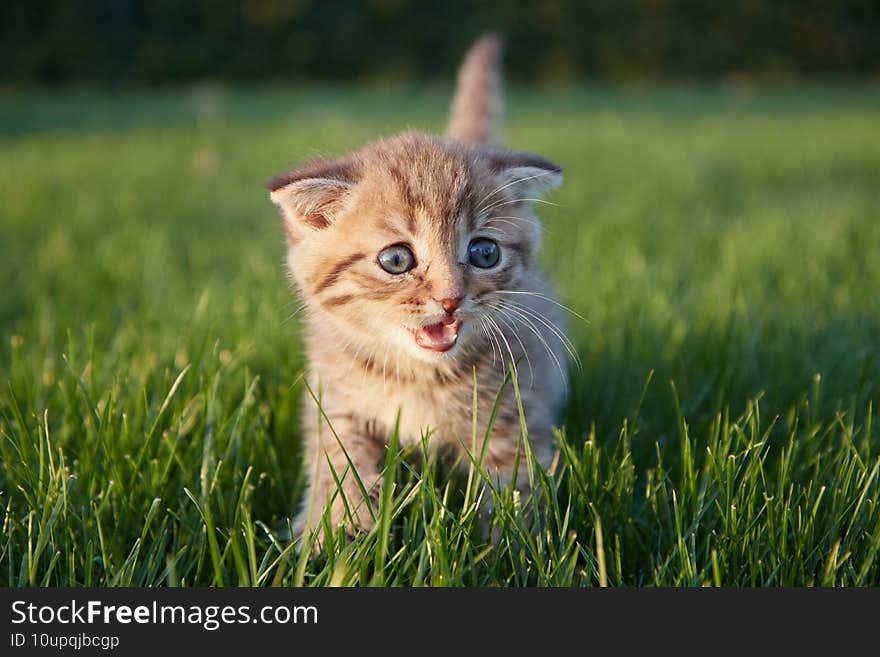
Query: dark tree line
x,y
154,41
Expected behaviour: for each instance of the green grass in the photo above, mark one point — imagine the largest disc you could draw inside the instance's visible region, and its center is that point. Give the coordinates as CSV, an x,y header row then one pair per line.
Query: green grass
x,y
730,245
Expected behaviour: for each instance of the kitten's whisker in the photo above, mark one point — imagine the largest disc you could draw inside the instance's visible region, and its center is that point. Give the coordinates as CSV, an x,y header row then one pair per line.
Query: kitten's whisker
x,y
494,231
361,362
546,298
494,329
543,341
556,361
506,343
354,359
494,332
494,220
293,302
487,225
507,319
342,350
486,333
569,346
494,342
296,312
384,365
503,202
543,319
371,364
526,219
506,185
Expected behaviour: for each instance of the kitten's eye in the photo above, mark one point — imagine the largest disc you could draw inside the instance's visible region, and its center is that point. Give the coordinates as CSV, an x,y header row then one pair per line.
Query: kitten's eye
x,y
483,253
396,259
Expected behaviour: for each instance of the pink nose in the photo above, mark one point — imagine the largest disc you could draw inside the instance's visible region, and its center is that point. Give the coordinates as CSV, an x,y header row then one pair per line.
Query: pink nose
x,y
450,304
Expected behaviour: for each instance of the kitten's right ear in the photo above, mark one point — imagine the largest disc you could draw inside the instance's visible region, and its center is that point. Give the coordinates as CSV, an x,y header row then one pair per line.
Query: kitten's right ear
x,y
311,196
529,174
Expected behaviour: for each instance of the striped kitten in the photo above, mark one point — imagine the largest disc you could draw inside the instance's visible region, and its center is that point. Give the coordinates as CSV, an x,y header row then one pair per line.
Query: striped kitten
x,y
416,261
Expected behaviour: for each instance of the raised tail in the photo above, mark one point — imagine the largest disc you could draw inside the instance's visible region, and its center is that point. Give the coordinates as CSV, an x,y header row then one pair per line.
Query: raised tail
x,y
477,103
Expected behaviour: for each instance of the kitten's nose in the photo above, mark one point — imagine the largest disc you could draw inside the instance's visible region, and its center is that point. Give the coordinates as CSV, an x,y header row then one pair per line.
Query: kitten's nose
x,y
450,304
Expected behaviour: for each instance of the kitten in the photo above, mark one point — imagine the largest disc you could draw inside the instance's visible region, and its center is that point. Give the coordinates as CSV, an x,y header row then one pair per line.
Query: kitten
x,y
416,261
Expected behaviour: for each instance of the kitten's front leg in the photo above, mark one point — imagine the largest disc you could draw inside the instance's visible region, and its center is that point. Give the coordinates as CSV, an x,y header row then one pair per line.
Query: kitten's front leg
x,y
327,462
506,458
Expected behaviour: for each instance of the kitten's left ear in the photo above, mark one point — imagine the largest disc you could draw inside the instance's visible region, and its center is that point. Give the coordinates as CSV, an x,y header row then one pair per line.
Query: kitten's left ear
x,y
530,175
311,196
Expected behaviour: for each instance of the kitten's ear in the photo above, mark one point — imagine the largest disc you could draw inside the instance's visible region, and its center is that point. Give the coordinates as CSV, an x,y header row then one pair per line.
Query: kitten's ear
x,y
530,176
311,196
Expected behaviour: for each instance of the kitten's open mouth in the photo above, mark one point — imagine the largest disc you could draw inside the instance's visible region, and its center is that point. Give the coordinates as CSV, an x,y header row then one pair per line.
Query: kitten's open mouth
x,y
440,336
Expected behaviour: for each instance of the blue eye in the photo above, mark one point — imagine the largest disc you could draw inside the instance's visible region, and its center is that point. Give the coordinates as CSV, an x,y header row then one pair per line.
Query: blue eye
x,y
396,259
483,253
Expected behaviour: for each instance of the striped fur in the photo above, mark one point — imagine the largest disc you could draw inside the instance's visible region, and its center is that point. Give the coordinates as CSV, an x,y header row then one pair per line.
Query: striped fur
x,y
433,194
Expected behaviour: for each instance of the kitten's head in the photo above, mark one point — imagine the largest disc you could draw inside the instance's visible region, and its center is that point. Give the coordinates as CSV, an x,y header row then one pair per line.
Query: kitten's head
x,y
408,243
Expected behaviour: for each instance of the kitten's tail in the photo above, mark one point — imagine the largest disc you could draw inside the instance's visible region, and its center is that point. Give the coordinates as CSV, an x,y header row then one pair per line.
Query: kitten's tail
x,y
477,103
